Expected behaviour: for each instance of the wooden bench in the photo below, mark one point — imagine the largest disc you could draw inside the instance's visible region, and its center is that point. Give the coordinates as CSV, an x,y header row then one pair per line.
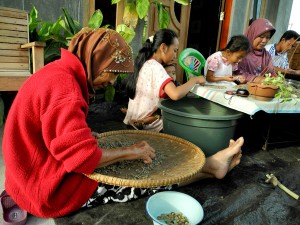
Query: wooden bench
x,y
15,60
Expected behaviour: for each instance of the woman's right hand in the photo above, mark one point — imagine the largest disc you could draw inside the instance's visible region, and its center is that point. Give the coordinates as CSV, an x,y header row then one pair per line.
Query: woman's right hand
x,y
141,150
200,79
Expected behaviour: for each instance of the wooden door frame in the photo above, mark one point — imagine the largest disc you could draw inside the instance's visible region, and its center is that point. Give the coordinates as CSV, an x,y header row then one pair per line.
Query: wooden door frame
x,y
89,9
223,33
181,27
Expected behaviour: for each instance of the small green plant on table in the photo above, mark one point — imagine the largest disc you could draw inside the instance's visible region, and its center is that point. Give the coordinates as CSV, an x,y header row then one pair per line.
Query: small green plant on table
x,y
285,92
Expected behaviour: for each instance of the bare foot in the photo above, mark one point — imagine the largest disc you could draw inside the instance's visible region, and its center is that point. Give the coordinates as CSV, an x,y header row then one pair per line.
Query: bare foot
x,y
225,160
236,158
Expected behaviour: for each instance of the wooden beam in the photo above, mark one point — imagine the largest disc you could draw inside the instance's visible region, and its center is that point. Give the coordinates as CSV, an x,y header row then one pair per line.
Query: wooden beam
x,y
226,24
120,12
88,9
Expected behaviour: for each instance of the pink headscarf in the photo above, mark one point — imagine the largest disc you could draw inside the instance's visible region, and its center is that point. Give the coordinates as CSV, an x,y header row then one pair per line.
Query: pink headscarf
x,y
257,62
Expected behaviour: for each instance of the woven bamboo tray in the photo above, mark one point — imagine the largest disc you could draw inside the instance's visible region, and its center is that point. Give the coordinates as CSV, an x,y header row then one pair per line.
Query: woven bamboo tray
x,y
180,160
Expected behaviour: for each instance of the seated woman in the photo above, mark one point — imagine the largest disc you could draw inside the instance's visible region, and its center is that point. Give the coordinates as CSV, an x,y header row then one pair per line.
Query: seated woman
x,y
48,146
258,61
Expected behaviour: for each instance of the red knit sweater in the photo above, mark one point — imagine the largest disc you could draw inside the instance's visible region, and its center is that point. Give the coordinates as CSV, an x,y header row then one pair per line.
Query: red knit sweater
x,y
47,144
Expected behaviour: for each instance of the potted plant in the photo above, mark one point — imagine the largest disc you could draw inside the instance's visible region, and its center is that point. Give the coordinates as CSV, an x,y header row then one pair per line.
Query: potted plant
x,y
274,85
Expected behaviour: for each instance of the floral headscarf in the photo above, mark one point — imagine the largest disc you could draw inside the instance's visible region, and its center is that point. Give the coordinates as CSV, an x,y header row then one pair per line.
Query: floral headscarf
x,y
101,50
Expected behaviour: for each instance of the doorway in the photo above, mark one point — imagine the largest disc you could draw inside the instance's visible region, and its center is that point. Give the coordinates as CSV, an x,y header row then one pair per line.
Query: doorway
x,y
109,13
204,26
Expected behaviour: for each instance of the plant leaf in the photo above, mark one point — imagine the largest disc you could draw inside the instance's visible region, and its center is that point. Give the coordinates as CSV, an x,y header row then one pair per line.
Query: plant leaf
x,y
96,19
44,31
142,8
56,27
52,51
66,30
33,24
115,1
182,2
70,23
33,21
163,17
130,17
109,93
126,32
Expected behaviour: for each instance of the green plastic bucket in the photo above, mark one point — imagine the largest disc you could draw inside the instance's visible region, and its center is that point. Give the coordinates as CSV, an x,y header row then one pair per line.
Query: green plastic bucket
x,y
208,125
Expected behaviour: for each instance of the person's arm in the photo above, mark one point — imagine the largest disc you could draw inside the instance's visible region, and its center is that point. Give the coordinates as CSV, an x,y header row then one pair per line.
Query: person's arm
x,y
211,78
176,93
290,71
141,150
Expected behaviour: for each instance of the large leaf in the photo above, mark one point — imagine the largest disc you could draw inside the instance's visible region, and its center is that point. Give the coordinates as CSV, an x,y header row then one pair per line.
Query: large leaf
x,y
52,51
130,17
163,17
142,8
33,21
66,29
126,32
70,23
33,24
109,93
115,1
44,31
56,27
96,19
182,2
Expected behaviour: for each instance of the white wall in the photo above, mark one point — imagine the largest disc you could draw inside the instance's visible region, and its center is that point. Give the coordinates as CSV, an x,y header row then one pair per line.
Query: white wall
x,y
277,11
294,22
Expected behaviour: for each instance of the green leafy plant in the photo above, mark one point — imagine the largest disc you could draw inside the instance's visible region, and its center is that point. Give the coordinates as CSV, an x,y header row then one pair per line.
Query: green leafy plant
x,y
138,9
58,34
285,92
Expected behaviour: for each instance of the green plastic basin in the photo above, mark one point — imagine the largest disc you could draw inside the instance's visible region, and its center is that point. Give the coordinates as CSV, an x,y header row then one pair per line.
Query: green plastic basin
x,y
208,125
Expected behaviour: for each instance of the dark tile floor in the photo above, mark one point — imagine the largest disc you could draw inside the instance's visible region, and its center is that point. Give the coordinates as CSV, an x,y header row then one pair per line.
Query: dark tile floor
x,y
241,198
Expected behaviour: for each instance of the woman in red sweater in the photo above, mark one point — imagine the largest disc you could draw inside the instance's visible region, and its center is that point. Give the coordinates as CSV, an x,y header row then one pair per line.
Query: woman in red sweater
x,y
48,146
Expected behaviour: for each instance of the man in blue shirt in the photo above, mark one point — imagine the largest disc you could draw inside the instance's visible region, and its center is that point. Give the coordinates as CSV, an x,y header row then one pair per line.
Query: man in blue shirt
x,y
279,51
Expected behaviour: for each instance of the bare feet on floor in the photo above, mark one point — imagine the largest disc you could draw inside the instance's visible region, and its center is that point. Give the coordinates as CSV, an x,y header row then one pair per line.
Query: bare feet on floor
x,y
219,164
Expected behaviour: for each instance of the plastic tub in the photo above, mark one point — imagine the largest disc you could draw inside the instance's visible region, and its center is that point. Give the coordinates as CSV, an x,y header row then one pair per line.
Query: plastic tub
x,y
208,125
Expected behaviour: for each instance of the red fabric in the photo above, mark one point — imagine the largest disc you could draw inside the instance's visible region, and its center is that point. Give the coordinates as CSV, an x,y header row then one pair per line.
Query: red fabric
x,y
162,94
47,144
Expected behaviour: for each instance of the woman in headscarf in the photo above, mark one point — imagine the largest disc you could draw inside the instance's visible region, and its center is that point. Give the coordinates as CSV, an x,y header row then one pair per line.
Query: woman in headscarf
x,y
258,61
48,146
